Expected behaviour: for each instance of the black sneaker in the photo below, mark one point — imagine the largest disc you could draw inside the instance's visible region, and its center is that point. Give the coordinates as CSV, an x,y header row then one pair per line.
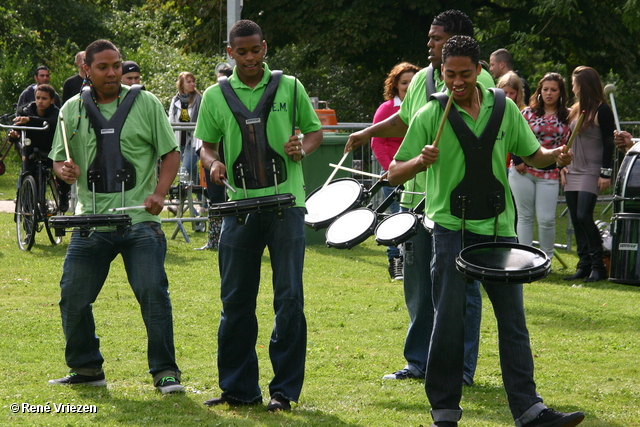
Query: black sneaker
x,y
232,401
279,403
73,378
551,418
395,268
402,374
169,385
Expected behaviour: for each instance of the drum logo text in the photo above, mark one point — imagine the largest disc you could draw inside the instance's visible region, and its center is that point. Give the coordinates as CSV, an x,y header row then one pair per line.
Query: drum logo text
x,y
628,246
253,121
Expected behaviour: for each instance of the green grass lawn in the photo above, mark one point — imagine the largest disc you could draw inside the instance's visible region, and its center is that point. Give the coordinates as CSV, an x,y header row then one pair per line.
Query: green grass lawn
x,y
585,340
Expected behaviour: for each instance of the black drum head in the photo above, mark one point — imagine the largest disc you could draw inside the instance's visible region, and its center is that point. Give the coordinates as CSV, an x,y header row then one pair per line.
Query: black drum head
x,y
499,262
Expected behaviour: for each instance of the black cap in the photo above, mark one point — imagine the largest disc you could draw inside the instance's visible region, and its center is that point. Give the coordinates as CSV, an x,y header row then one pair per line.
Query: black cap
x,y
130,67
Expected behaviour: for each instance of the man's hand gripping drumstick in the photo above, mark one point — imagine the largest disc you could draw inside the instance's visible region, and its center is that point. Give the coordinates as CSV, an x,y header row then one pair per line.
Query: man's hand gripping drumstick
x,y
68,171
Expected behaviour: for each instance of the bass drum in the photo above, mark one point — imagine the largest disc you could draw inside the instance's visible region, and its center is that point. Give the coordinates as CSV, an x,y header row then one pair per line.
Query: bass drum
x,y
627,186
625,266
503,262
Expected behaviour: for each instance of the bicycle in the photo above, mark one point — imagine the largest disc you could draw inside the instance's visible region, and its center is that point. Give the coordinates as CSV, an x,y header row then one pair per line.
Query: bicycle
x,y
38,198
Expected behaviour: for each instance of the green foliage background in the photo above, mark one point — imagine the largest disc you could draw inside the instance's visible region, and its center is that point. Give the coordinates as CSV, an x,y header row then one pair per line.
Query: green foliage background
x,y
340,49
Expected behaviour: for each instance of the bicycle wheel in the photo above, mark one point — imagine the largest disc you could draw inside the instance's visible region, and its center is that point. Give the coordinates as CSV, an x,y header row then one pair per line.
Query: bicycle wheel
x,y
51,208
26,213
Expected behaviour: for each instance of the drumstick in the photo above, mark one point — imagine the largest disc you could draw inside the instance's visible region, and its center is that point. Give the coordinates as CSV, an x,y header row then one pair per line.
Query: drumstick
x,y
226,184
356,171
126,208
64,137
443,121
344,157
575,132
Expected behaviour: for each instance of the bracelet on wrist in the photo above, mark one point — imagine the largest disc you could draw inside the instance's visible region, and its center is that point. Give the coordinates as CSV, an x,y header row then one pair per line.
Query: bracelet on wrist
x,y
606,172
212,162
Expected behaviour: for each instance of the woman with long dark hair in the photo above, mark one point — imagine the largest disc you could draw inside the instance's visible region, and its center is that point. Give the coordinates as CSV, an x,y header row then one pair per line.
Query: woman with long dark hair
x,y
590,171
536,190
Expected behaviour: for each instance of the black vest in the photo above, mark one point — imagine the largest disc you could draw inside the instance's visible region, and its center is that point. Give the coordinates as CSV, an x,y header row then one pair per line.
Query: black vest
x,y
110,169
258,165
479,195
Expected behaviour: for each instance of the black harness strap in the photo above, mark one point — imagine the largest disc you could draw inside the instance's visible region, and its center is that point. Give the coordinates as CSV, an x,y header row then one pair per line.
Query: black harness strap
x,y
258,165
109,170
479,195
430,82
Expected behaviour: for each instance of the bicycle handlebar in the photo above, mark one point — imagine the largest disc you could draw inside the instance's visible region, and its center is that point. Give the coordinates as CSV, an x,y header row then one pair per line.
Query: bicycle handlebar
x,y
13,127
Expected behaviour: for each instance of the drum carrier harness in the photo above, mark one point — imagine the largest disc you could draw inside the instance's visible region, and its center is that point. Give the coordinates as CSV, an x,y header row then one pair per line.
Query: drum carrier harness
x,y
110,171
258,165
479,195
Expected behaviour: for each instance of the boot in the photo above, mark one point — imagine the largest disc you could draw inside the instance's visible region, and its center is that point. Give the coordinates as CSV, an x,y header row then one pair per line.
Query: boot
x,y
580,273
596,254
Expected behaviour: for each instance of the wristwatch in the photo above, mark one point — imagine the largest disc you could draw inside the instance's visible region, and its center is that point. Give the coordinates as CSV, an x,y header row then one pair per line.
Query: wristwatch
x,y
606,172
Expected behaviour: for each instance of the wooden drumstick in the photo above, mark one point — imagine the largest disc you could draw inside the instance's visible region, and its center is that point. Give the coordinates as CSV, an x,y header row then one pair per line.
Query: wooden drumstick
x,y
126,208
335,170
356,171
64,137
443,121
575,132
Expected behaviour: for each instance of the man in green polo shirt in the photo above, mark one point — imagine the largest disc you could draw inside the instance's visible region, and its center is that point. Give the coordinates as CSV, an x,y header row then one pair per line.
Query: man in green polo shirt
x,y
417,280
448,168
236,110
137,134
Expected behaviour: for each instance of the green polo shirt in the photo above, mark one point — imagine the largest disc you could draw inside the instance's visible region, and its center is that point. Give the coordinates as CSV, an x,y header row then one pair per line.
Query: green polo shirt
x,y
415,99
146,135
216,121
515,136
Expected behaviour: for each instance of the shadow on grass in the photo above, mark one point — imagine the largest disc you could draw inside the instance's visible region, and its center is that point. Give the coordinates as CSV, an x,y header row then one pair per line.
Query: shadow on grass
x,y
188,409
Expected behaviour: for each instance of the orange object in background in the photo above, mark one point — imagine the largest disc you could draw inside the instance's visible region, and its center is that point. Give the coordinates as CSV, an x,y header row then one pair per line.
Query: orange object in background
x,y
327,116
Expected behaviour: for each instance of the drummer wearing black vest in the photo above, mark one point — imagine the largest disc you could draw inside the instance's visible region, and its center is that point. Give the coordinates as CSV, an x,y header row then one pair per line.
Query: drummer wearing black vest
x,y
115,136
469,202
254,112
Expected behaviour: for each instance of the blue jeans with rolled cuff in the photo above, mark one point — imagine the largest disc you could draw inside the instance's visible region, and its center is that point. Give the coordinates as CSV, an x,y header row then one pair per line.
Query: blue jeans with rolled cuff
x,y
446,355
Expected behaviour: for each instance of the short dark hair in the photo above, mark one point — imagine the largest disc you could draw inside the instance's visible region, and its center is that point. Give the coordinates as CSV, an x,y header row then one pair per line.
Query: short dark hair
x,y
47,88
41,67
461,46
244,28
97,47
503,55
455,23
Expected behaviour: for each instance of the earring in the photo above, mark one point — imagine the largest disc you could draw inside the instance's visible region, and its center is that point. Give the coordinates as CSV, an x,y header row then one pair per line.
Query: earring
x,y
539,97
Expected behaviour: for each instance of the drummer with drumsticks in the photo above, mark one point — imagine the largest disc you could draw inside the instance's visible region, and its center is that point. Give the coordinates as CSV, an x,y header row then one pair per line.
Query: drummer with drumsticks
x,y
261,161
116,135
469,202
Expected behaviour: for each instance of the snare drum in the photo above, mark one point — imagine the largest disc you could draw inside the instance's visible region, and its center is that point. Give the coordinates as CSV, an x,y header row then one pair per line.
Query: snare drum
x,y
252,205
325,204
503,262
427,224
85,224
624,249
397,228
351,229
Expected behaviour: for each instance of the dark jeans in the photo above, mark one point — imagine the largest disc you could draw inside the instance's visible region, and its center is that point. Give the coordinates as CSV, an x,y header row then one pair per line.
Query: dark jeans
x,y
446,354
240,257
86,266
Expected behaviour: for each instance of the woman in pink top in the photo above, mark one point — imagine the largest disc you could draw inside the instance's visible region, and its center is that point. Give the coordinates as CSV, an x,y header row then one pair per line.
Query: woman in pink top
x,y
395,88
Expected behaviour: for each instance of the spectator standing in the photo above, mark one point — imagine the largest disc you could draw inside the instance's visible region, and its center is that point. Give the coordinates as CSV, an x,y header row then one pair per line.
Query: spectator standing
x,y
536,190
395,89
500,63
590,171
73,85
130,73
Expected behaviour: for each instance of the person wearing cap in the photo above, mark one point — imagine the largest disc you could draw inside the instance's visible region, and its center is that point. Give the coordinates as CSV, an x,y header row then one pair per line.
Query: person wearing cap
x,y
130,73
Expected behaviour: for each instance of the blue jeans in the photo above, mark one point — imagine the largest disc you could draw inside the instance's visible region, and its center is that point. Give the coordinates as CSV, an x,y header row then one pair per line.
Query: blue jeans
x,y
86,266
392,251
240,257
473,317
446,354
417,295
